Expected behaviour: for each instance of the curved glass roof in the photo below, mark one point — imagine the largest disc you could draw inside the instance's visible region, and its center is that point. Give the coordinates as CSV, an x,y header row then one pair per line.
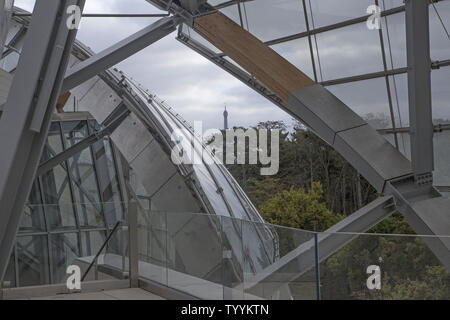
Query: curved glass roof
x,y
208,182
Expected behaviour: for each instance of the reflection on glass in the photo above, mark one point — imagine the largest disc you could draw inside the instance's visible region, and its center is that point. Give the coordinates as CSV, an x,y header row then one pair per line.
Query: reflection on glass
x,y
54,144
199,234
108,180
272,19
349,51
442,158
368,99
297,52
32,254
33,216
394,36
327,12
9,280
84,183
91,242
153,239
440,48
64,250
56,190
440,80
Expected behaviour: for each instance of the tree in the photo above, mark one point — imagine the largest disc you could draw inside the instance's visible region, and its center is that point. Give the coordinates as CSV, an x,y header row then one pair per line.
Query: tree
x,y
300,209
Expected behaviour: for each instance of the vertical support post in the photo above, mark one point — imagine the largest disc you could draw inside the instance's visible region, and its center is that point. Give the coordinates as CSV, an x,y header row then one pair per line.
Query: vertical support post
x,y
317,265
419,88
38,79
6,7
133,243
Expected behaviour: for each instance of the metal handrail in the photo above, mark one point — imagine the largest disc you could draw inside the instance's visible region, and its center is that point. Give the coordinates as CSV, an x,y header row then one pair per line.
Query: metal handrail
x,y
94,261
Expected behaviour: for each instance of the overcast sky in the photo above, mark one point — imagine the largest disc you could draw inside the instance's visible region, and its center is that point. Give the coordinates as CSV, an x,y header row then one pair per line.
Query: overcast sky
x,y
199,90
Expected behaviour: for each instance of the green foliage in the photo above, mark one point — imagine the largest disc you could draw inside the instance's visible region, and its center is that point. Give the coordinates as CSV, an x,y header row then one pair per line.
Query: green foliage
x,y
434,285
316,188
299,209
305,159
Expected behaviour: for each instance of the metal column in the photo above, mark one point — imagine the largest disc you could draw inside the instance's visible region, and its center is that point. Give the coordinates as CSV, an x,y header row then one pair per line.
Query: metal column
x,y
419,84
133,243
32,98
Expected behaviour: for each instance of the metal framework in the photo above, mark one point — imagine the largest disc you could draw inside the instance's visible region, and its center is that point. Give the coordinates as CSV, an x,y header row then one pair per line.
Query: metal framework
x,y
42,73
33,95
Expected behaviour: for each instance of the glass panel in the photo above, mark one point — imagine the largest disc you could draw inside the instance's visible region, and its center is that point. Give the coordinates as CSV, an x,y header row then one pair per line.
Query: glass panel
x,y
33,217
349,51
442,158
367,98
116,253
440,80
389,4
327,12
57,194
232,13
195,36
296,281
194,254
271,19
91,242
9,280
297,52
394,36
108,180
84,180
54,143
32,252
399,89
152,237
64,252
233,259
440,48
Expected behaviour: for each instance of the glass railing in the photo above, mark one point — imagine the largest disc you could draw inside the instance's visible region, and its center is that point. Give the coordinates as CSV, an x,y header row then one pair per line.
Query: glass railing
x,y
213,257
53,237
218,257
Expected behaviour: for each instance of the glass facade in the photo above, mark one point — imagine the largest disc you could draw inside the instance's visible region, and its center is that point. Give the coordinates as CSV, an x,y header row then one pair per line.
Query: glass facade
x,y
71,208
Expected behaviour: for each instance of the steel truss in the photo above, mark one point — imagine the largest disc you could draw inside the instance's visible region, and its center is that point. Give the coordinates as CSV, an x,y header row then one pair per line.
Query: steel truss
x,y
384,167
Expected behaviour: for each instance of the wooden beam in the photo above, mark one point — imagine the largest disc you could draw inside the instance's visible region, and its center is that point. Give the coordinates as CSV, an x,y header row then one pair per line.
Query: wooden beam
x,y
62,100
278,74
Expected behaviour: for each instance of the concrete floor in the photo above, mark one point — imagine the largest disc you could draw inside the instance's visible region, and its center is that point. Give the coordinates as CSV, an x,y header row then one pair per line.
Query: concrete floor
x,y
122,294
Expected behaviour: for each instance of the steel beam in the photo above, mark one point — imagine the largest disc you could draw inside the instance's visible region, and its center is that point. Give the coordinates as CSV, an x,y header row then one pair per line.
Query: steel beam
x,y
6,8
119,52
427,212
47,48
133,243
302,259
419,88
